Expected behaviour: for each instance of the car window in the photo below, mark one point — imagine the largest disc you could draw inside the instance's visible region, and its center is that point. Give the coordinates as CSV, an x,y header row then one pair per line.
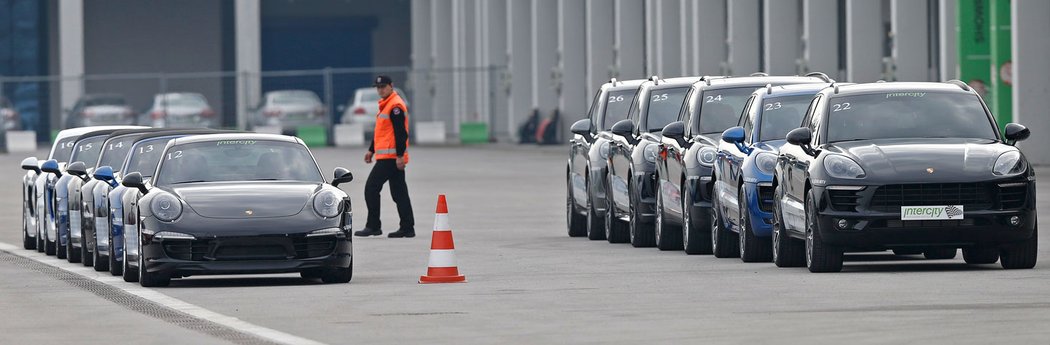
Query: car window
x,y
367,95
592,111
618,107
690,110
919,114
145,155
237,160
63,149
664,106
780,115
747,119
291,98
183,100
104,101
720,108
87,150
114,151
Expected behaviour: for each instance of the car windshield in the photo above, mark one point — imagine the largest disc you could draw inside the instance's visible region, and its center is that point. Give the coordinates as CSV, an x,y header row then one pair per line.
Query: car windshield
x,y
780,115
720,108
367,95
112,100
286,98
183,100
237,160
63,149
917,114
664,106
146,155
115,151
617,107
87,150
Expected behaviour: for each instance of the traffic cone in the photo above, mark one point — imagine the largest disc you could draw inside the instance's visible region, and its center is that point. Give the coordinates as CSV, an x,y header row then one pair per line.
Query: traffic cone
x,y
442,266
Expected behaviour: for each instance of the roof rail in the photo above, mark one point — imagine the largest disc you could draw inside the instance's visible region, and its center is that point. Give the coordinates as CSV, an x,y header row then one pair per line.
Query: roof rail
x,y
880,81
654,79
769,89
760,74
836,86
960,84
613,81
823,76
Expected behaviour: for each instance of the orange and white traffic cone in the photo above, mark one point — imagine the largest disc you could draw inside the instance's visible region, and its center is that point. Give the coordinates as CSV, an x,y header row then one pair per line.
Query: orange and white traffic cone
x,y
442,266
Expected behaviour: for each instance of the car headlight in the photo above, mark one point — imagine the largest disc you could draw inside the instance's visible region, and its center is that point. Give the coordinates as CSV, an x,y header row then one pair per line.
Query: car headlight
x,y
766,162
842,167
604,150
166,207
327,204
650,153
706,155
1008,164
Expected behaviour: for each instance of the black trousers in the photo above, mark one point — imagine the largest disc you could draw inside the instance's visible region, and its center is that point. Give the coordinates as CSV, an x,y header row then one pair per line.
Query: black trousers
x,y
383,171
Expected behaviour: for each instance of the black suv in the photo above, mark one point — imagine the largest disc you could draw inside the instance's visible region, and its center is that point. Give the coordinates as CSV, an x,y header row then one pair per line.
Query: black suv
x,y
907,166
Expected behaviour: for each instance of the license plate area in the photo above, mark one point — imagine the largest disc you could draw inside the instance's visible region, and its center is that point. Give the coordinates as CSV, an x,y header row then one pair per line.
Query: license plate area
x,y
943,212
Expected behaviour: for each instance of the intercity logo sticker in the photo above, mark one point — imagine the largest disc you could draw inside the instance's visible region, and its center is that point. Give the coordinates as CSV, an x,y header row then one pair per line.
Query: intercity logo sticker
x,y
952,211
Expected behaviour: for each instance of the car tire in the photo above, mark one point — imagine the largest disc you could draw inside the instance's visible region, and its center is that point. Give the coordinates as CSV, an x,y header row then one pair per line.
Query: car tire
x,y
752,248
907,251
940,253
72,253
40,246
820,257
85,255
787,251
695,238
151,279
338,275
130,275
980,255
575,222
642,236
616,231
667,236
115,267
101,262
60,250
28,243
1021,255
723,242
595,223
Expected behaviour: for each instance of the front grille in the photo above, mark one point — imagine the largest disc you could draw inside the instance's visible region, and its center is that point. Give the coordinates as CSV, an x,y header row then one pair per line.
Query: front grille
x,y
250,248
972,196
843,200
765,198
1013,196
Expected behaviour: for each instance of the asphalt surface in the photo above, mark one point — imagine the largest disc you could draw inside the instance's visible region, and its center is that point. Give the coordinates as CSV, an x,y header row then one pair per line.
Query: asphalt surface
x,y
530,283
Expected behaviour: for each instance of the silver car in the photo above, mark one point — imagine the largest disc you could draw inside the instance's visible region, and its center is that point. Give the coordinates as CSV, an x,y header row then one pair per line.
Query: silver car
x,y
9,116
179,109
99,110
364,107
289,109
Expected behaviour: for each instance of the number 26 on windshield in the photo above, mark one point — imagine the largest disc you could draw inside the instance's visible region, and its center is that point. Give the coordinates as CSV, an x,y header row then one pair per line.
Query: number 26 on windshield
x,y
840,106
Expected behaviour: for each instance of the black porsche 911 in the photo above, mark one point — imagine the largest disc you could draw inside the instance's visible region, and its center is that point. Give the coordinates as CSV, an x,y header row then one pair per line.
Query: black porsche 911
x,y
239,204
919,167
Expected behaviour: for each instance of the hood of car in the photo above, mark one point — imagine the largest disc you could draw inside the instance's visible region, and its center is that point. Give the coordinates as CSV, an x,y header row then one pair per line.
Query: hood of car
x,y
246,199
182,110
771,145
924,160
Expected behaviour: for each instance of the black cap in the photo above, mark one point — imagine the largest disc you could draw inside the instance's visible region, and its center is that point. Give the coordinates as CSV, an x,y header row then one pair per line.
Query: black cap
x,y
383,81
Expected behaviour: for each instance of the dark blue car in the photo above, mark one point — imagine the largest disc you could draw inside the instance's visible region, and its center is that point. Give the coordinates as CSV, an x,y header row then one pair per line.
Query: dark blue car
x,y
747,156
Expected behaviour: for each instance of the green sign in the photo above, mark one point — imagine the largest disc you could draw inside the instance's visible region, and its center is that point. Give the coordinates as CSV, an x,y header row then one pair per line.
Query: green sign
x,y
983,32
1001,101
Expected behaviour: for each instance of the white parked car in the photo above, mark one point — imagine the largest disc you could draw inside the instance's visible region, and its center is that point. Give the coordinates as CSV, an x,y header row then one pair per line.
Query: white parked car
x,y
364,106
179,109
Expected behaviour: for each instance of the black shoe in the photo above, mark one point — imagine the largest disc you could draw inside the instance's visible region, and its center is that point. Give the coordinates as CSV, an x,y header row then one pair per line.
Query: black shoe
x,y
402,233
368,232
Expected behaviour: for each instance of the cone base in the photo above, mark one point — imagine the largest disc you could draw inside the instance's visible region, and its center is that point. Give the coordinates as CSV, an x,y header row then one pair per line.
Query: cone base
x,y
442,279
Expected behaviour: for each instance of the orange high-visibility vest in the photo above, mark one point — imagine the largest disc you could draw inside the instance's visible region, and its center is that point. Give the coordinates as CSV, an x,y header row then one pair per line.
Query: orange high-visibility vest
x,y
385,144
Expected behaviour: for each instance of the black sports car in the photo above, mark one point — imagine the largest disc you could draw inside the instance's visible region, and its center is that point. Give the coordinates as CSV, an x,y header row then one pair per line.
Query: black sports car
x,y
238,203
903,166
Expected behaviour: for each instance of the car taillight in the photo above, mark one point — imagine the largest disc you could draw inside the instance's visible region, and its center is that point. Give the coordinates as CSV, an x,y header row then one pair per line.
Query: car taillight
x,y
207,112
319,111
86,113
359,111
272,113
157,114
128,112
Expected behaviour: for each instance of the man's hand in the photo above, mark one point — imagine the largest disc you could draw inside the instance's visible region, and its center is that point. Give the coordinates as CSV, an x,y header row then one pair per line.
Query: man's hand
x,y
400,163
368,157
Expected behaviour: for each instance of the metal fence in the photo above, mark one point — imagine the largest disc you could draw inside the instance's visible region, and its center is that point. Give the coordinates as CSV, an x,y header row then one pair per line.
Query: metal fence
x,y
454,96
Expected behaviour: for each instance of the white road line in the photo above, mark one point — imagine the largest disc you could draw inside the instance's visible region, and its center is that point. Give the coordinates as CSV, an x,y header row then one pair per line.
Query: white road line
x,y
159,298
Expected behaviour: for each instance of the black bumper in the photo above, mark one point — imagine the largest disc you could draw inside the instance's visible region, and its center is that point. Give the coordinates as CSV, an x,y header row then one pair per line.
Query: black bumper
x,y
160,258
985,228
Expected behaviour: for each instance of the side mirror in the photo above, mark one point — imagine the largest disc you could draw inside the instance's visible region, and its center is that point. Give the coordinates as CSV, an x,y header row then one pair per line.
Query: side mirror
x,y
802,137
105,173
582,128
51,166
735,135
31,163
78,169
624,128
1016,132
134,180
675,130
341,176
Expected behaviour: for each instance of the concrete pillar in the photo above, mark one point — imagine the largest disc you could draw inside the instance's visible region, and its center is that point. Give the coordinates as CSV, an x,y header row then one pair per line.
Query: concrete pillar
x,y
70,55
420,84
249,58
743,37
820,51
709,36
1031,74
441,40
947,40
494,28
544,15
519,57
630,39
572,46
599,44
669,41
910,49
863,41
782,36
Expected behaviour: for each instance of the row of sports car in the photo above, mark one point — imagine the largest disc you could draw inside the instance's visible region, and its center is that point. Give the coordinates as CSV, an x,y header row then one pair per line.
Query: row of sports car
x,y
799,170
153,204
